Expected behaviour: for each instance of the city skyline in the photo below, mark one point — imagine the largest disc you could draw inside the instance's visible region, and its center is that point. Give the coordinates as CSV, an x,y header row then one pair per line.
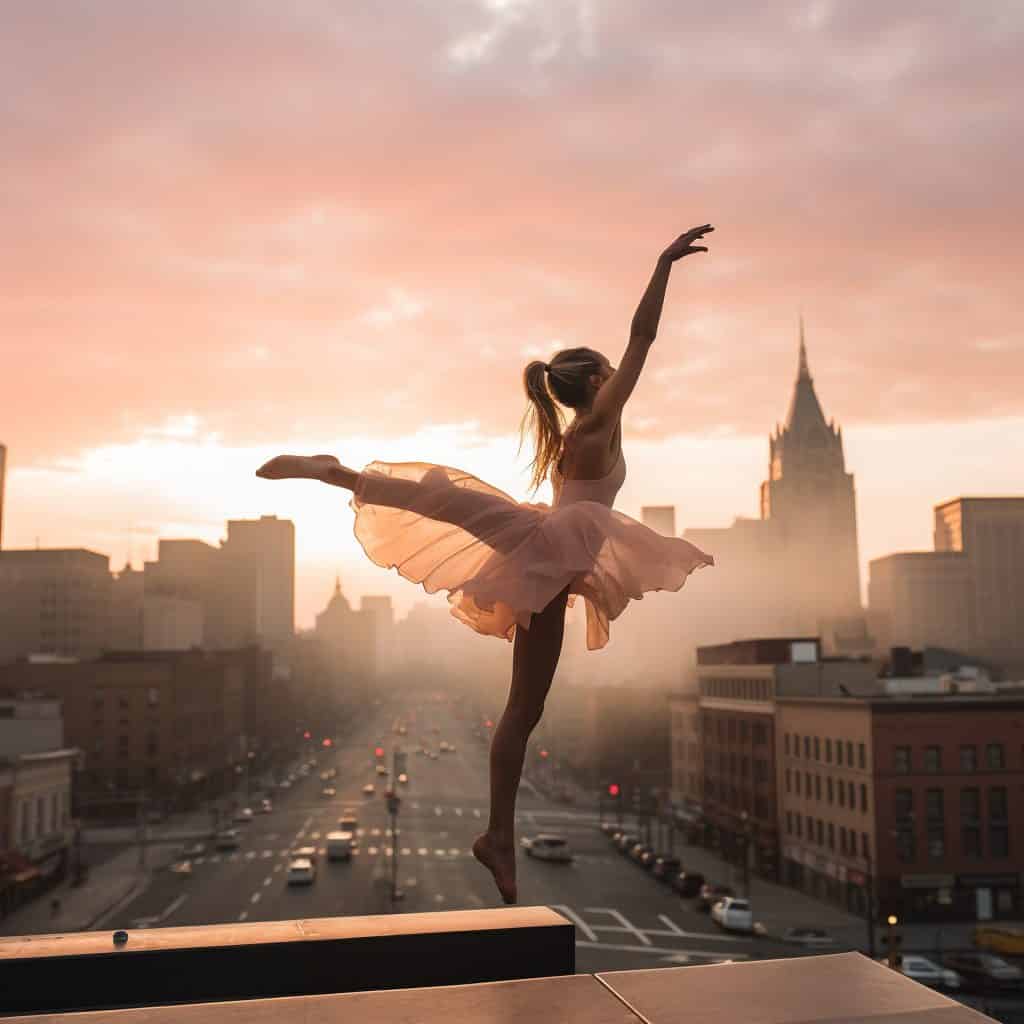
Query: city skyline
x,y
453,198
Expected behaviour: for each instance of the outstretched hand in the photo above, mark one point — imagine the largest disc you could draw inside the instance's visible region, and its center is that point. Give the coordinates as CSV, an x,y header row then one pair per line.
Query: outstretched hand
x,y
683,245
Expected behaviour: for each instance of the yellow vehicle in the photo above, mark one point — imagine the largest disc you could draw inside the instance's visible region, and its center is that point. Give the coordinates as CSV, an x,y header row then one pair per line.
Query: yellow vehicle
x,y
1000,939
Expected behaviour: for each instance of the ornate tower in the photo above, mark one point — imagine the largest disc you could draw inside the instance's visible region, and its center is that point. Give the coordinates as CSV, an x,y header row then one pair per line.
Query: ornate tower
x,y
810,498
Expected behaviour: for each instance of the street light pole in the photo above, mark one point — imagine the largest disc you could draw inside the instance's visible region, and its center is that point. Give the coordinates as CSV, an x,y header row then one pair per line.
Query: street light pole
x,y
869,912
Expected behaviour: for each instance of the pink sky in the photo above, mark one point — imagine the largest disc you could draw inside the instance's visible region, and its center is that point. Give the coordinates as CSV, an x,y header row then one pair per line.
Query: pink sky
x,y
236,228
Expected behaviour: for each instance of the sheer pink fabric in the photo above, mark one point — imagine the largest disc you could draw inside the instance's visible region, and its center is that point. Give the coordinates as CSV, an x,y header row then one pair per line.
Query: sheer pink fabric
x,y
500,560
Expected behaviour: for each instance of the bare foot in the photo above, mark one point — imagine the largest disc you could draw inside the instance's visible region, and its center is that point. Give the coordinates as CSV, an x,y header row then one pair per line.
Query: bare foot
x,y
500,861
291,467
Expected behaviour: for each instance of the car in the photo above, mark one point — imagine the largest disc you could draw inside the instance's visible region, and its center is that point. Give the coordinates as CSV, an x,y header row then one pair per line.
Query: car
x,y
647,858
182,868
733,914
227,839
547,846
984,972
339,845
609,828
927,972
626,841
381,770
284,784
348,820
999,939
193,850
403,779
328,791
243,815
637,850
432,755
304,853
666,867
811,937
451,748
301,872
325,776
369,789
266,806
709,894
443,746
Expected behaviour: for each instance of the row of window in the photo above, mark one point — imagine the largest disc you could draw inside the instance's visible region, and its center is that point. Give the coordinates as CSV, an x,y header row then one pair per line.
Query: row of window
x,y
839,791
732,763
733,730
737,689
812,748
931,761
826,834
971,826
738,799
42,815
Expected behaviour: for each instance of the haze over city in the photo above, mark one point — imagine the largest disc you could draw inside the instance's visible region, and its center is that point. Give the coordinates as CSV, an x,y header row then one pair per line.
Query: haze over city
x,y
296,230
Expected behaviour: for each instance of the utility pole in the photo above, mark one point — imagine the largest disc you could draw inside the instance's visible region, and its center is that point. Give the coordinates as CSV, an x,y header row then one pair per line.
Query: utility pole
x,y
869,913
394,801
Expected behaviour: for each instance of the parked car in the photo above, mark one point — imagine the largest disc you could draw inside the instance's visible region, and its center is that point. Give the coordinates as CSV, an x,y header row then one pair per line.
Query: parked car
x,y
688,884
301,872
733,914
625,841
665,867
193,850
999,939
927,972
266,806
984,972
710,894
182,868
610,828
328,792
243,815
547,846
227,839
637,850
812,937
647,858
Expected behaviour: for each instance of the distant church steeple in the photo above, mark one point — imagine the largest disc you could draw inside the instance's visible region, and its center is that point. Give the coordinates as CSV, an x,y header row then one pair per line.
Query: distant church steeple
x,y
805,415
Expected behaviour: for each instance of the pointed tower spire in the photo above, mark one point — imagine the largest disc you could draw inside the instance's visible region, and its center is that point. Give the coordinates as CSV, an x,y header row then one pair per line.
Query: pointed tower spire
x,y
337,586
805,370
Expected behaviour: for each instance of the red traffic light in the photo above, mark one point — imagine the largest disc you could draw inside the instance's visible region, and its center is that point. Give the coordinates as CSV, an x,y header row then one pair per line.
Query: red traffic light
x,y
307,735
613,789
543,753
379,751
489,724
327,741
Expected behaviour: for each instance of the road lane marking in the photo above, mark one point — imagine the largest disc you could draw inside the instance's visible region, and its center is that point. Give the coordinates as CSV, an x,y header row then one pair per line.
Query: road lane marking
x,y
717,956
250,854
454,851
406,851
267,880
576,920
437,811
423,851
439,853
372,851
624,924
458,812
254,898
476,812
243,915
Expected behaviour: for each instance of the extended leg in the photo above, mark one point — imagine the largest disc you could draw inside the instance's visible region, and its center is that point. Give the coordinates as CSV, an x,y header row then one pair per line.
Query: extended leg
x,y
534,660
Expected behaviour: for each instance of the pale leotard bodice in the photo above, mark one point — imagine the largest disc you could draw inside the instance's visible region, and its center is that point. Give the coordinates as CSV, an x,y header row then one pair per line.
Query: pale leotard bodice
x,y
603,491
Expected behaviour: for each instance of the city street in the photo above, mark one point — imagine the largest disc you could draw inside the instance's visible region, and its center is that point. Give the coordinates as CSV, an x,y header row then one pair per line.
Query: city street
x,y
624,917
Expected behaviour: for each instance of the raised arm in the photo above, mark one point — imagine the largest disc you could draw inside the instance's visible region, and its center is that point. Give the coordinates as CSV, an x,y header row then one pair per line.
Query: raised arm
x,y
615,392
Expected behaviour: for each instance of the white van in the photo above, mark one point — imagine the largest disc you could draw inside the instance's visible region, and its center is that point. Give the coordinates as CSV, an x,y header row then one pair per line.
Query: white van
x,y
547,847
339,845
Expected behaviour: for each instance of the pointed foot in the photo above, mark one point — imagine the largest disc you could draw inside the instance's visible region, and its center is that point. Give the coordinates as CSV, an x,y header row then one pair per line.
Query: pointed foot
x,y
500,860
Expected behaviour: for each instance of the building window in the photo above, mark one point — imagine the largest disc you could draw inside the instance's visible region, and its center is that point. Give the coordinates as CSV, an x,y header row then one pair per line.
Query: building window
x,y
933,760
796,745
831,836
850,800
810,828
807,748
789,780
785,740
807,784
25,828
863,798
862,759
903,804
864,848
968,759
935,821
817,787
905,851
901,760
841,793
799,826
970,823
995,756
842,839
789,823
830,789
998,826
828,751
817,749
839,751
819,830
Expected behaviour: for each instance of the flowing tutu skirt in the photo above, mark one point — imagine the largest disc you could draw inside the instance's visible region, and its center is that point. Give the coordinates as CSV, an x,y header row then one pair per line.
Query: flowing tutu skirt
x,y
500,560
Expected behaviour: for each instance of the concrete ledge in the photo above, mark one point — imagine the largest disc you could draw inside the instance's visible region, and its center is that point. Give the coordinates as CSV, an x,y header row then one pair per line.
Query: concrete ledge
x,y
86,971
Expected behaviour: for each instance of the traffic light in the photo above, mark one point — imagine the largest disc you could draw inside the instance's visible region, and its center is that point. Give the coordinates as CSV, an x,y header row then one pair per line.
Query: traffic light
x,y
544,753
327,741
379,751
307,735
489,724
613,789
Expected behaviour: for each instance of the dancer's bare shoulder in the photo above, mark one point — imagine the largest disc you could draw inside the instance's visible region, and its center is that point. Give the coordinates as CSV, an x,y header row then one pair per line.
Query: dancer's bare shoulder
x,y
594,448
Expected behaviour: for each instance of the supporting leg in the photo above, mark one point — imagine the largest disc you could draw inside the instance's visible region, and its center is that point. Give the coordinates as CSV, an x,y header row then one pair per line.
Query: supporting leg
x,y
535,658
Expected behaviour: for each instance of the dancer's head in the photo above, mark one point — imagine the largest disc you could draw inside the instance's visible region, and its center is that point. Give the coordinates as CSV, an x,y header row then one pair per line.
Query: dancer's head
x,y
573,377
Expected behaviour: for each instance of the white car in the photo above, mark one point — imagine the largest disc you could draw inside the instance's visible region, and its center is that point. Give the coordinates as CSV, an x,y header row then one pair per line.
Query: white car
x,y
349,820
339,845
547,847
733,914
403,779
928,972
301,871
266,806
244,815
369,789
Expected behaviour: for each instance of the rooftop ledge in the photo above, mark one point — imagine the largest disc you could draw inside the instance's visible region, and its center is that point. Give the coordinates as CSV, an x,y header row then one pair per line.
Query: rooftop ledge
x,y
474,966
